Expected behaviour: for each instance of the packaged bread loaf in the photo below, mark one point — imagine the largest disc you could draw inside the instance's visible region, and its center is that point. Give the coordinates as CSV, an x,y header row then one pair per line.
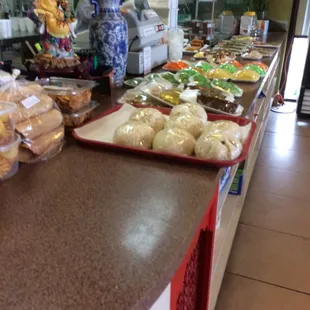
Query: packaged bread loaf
x,y
37,119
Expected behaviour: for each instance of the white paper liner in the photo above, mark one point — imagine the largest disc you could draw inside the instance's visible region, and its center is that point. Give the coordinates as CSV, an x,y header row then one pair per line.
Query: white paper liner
x,y
103,129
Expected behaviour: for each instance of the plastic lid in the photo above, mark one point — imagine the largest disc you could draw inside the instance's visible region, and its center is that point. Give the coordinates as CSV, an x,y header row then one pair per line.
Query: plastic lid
x,y
15,143
250,13
7,107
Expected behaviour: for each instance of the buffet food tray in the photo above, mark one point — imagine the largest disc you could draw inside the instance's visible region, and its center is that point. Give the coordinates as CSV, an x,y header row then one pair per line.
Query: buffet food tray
x,y
168,156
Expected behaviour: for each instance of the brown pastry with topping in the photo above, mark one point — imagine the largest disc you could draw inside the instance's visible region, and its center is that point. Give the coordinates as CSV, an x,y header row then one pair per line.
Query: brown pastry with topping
x,y
215,99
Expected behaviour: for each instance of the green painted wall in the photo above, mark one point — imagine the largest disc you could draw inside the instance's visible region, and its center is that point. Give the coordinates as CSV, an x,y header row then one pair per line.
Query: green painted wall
x,y
280,9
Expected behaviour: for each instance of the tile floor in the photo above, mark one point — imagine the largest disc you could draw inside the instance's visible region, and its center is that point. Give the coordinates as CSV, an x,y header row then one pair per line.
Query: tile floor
x,y
269,265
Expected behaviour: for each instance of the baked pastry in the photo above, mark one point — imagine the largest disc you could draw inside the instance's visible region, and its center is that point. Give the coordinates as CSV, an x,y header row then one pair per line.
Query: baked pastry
x,y
135,134
175,141
217,147
189,108
151,117
36,126
188,122
43,147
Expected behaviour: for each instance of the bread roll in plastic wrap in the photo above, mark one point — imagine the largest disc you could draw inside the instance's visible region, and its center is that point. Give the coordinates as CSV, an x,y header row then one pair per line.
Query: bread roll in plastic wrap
x,y
217,147
135,134
189,108
188,122
151,117
174,140
36,118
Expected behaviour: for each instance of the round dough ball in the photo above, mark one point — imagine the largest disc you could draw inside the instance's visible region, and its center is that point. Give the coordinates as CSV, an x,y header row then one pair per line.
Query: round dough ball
x,y
151,117
226,128
188,122
135,134
217,147
190,108
174,140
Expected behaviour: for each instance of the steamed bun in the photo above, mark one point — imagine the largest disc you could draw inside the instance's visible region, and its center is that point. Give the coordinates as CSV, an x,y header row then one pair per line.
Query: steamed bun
x,y
217,147
174,140
188,122
229,129
189,108
135,134
151,117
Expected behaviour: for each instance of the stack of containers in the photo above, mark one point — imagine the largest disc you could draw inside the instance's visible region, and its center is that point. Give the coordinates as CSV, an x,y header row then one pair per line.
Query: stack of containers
x,y
9,141
73,98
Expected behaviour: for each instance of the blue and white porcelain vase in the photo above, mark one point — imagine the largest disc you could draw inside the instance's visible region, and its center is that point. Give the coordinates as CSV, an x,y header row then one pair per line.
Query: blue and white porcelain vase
x,y
109,38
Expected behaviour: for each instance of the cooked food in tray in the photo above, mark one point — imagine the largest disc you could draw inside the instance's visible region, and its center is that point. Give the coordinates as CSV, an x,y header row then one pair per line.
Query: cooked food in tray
x,y
227,87
254,55
175,66
256,68
187,132
219,74
249,76
215,99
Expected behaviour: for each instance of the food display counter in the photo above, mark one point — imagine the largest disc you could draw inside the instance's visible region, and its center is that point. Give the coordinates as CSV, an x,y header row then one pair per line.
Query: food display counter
x,y
97,229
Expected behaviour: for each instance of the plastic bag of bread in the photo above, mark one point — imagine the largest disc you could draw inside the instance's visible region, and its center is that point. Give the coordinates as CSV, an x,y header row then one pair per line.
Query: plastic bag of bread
x,y
37,120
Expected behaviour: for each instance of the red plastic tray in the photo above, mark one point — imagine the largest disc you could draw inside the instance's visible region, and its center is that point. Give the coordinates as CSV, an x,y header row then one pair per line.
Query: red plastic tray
x,y
188,159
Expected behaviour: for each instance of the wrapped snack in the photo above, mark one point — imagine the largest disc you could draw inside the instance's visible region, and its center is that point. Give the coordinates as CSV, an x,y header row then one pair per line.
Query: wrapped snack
x,y
77,119
134,82
236,63
188,122
200,81
216,99
217,147
151,77
69,94
260,64
204,66
246,76
37,117
135,134
227,87
189,108
182,77
7,125
190,71
219,74
151,117
175,66
228,66
50,143
156,86
36,126
9,158
228,129
254,55
256,68
170,77
175,141
171,96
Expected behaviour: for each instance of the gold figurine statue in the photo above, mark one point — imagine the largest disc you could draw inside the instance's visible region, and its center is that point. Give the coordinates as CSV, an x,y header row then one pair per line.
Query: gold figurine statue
x,y
56,26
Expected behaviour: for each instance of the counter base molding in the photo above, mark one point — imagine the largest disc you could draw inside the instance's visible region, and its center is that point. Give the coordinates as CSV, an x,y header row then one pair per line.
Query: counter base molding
x,y
190,285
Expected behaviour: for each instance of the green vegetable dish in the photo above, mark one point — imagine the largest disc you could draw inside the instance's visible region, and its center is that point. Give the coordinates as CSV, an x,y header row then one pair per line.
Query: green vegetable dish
x,y
201,81
170,77
152,76
229,67
204,66
134,82
182,77
227,87
255,68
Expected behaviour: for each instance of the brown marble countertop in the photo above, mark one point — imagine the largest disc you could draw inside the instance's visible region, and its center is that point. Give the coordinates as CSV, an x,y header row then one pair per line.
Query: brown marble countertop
x,y
93,229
